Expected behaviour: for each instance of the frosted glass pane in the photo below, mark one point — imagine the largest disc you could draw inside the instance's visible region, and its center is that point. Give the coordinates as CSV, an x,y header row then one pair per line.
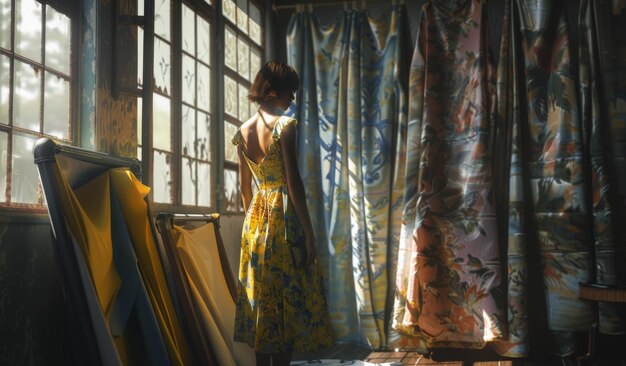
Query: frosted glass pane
x,y
161,135
3,165
204,41
231,189
162,18
188,130
243,103
204,136
162,66
26,98
230,50
189,80
255,32
28,19
242,15
4,90
255,64
162,180
139,120
139,56
24,178
255,23
204,87
5,30
230,96
204,184
58,40
228,8
189,181
56,111
243,58
189,34
230,150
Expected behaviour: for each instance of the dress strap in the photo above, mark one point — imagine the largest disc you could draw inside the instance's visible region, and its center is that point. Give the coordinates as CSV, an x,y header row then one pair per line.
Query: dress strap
x,y
236,140
280,124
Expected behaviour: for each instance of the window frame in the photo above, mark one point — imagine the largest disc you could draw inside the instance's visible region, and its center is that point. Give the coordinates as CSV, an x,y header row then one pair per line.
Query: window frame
x,y
239,80
75,92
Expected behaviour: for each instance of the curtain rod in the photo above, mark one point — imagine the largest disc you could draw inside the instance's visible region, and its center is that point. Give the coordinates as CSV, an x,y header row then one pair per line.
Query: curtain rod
x,y
345,4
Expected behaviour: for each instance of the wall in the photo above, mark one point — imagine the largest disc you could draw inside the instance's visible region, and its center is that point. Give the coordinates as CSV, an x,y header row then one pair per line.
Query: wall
x,y
32,323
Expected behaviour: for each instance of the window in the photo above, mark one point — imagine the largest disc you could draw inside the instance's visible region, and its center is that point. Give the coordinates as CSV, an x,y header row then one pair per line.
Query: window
x,y
36,93
182,108
243,49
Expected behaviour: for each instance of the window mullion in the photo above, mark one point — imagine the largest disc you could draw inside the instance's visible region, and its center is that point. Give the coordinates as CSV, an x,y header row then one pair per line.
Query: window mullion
x,y
176,102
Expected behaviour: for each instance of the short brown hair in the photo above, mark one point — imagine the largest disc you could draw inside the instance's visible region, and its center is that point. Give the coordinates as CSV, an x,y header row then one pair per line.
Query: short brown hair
x,y
274,78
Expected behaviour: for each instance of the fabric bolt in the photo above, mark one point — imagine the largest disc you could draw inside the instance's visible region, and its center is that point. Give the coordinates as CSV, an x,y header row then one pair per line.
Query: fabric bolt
x,y
449,283
603,108
279,308
200,257
352,109
548,221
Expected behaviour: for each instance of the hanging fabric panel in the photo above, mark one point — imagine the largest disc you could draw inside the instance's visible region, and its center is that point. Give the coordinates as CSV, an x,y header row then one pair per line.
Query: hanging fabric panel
x,y
350,107
603,102
449,283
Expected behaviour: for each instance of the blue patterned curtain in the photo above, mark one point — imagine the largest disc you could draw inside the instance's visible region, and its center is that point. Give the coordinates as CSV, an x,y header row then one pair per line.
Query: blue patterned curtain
x,y
352,113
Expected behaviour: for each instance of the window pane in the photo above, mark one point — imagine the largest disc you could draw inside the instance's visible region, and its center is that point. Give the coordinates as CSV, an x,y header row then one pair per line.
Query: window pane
x,y
139,121
189,80
162,18
228,8
242,15
231,189
189,181
243,103
204,87
230,150
162,181
204,184
204,136
161,135
230,97
139,56
24,178
58,35
255,23
243,58
204,41
162,66
255,63
26,99
3,165
188,130
189,34
56,106
230,51
4,90
5,27
28,29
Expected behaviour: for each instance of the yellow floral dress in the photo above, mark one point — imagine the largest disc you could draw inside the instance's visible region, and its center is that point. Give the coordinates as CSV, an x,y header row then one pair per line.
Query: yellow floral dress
x,y
280,308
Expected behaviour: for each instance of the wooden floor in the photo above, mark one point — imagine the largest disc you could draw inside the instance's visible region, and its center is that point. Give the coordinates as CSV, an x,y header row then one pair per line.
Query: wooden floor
x,y
352,352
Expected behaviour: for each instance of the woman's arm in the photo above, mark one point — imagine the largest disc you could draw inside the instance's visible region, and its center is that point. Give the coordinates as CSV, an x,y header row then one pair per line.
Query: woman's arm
x,y
296,188
245,179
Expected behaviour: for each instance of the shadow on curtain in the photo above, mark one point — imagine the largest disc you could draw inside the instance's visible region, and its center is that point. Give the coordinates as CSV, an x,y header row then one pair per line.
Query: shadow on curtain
x,y
352,109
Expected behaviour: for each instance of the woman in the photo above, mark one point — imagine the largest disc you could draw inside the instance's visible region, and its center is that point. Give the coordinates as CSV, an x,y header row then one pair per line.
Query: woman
x,y
280,299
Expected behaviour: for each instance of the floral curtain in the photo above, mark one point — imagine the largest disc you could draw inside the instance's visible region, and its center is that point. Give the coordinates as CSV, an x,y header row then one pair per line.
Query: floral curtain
x,y
603,104
351,108
449,271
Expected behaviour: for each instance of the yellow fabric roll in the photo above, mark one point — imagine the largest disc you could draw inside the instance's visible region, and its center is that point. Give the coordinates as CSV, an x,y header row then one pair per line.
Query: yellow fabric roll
x,y
88,217
199,255
131,194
